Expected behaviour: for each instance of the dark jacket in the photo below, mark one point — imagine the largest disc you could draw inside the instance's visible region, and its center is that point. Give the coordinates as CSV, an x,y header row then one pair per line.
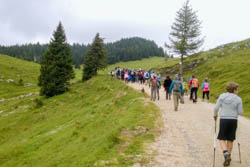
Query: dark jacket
x,y
167,83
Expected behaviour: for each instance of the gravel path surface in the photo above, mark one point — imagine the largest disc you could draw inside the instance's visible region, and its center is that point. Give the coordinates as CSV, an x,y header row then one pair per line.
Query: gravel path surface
x,y
186,138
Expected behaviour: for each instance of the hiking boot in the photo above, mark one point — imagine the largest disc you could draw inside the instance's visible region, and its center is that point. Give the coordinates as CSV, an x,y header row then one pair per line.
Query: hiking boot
x,y
227,159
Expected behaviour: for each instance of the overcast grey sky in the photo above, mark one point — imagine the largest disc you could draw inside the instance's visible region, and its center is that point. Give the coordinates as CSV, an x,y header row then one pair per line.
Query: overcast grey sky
x,y
25,21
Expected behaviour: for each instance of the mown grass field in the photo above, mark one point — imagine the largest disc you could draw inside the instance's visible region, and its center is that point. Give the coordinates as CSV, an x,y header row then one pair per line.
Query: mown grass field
x,y
101,122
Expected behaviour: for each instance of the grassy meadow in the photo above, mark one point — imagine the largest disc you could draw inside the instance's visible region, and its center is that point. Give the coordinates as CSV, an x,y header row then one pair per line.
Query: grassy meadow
x,y
227,63
233,67
17,70
144,64
101,122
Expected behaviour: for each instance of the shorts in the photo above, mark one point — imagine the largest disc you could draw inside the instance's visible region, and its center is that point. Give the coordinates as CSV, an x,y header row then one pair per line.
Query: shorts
x,y
227,129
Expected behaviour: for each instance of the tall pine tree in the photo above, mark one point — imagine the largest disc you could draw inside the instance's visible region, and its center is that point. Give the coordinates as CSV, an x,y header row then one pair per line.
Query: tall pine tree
x,y
186,30
95,58
56,66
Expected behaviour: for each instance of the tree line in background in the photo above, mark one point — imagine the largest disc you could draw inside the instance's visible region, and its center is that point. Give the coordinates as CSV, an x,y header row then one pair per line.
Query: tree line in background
x,y
130,49
123,50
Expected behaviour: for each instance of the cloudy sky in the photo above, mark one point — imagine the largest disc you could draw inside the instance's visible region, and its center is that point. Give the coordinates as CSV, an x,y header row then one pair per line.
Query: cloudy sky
x,y
25,21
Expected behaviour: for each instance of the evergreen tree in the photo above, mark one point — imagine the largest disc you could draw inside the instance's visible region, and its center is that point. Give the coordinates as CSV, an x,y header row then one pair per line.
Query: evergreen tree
x,y
185,35
95,58
56,66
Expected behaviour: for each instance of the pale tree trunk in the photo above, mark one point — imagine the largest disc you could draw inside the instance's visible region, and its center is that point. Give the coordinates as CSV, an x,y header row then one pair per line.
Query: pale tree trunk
x,y
181,65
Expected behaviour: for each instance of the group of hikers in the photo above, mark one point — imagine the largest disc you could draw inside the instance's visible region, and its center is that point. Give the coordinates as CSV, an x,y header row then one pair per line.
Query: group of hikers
x,y
229,105
178,87
128,75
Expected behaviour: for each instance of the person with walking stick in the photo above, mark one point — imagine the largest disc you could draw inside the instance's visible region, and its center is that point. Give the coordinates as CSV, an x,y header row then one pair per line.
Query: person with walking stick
x,y
230,106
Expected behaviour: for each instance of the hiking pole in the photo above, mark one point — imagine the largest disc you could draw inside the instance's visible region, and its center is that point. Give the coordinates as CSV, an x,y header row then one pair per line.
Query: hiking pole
x,y
239,143
239,151
238,131
215,123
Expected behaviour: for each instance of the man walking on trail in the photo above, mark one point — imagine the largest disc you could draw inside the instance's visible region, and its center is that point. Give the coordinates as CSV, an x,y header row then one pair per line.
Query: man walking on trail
x,y
154,88
194,85
230,105
146,76
167,84
177,88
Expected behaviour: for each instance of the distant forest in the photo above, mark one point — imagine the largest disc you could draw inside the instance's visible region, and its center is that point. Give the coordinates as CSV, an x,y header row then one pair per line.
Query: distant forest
x,y
126,49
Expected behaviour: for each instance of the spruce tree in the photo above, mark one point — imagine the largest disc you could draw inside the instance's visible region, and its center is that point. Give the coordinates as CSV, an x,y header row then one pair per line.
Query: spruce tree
x,y
186,31
56,66
95,58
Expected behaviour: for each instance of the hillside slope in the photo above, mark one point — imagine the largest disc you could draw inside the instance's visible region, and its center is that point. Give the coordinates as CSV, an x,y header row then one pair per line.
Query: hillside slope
x,y
101,122
13,70
223,64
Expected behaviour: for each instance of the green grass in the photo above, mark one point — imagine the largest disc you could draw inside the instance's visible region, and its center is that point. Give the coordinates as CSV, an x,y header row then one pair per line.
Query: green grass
x,y
232,67
101,122
16,69
144,64
221,65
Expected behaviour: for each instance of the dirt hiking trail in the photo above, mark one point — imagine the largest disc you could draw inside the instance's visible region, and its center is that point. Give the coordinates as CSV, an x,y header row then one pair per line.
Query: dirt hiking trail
x,y
186,138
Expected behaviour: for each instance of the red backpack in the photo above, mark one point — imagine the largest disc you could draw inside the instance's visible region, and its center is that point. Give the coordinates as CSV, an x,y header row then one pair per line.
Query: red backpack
x,y
154,82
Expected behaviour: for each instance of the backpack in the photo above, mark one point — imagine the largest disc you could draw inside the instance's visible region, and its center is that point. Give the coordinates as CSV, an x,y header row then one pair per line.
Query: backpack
x,y
195,83
177,87
158,83
154,83
206,87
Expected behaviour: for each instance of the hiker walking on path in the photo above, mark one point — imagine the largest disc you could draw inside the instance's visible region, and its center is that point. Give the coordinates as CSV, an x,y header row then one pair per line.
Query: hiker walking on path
x,y
194,85
205,89
126,76
185,87
167,84
230,106
112,73
177,88
146,76
154,88
158,86
122,74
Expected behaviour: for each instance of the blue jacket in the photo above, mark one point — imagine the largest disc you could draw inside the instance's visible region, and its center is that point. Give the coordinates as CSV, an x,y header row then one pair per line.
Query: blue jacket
x,y
203,85
172,86
159,82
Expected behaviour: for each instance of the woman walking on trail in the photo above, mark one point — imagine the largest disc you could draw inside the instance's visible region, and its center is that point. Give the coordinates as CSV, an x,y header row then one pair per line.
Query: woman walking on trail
x,y
158,86
167,84
205,89
185,87
126,76
230,106
177,88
